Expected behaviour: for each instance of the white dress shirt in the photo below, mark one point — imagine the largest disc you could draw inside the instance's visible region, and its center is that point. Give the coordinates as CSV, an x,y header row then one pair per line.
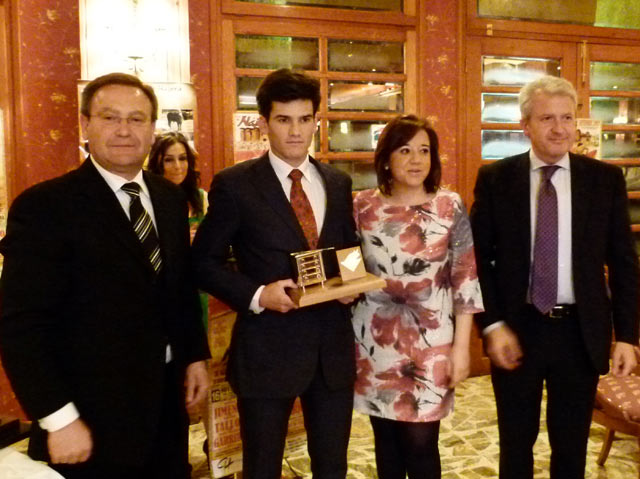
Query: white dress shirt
x,y
561,180
313,186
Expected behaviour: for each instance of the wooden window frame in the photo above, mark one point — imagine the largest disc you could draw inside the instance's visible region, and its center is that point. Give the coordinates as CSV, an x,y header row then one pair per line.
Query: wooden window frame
x,y
323,31
405,18
531,29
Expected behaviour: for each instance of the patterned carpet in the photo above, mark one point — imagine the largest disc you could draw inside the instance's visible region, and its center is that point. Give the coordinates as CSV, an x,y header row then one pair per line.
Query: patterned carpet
x,y
468,444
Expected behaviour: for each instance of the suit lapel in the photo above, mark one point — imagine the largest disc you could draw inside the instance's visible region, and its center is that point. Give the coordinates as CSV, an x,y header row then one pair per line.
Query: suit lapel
x,y
581,197
268,185
102,205
520,194
163,210
333,200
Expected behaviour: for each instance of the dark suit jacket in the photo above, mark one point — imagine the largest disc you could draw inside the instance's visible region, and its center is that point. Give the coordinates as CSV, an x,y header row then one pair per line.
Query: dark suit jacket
x,y
274,354
601,236
85,320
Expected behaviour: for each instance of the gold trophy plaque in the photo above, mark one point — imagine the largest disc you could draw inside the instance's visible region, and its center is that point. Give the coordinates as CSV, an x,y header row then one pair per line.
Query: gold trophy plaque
x,y
313,285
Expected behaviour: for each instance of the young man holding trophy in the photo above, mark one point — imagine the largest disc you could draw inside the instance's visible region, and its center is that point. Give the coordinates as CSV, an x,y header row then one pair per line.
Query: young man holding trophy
x,y
267,209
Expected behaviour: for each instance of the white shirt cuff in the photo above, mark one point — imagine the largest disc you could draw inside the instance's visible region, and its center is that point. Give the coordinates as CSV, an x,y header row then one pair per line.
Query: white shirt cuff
x,y
60,418
254,306
491,327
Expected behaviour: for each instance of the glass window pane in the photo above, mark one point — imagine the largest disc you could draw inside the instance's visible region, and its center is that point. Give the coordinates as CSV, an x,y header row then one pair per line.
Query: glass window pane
x,y
613,13
363,174
366,96
616,110
516,71
258,51
634,211
632,179
354,135
356,56
636,237
615,76
246,88
583,12
600,13
498,144
500,108
379,5
620,145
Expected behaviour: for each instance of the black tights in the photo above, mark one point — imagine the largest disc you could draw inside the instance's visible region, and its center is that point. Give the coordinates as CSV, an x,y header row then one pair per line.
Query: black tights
x,y
406,448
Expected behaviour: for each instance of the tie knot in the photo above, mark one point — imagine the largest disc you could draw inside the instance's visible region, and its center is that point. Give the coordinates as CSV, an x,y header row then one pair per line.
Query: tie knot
x,y
295,174
548,171
132,189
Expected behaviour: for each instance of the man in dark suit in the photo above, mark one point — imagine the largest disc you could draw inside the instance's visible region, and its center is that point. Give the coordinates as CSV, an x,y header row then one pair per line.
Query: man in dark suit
x,y
279,351
545,224
100,328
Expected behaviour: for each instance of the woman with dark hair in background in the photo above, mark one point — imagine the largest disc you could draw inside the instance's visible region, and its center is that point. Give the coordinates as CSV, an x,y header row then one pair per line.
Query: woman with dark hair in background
x,y
172,157
413,335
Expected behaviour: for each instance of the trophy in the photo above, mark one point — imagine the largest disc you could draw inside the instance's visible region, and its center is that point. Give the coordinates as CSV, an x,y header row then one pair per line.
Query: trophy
x,y
313,285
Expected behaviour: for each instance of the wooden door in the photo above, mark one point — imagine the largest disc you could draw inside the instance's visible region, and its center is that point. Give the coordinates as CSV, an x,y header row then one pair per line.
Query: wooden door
x,y
495,70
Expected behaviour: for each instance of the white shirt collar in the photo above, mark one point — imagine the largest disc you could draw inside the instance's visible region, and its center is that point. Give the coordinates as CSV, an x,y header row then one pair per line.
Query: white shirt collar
x,y
282,168
537,163
115,182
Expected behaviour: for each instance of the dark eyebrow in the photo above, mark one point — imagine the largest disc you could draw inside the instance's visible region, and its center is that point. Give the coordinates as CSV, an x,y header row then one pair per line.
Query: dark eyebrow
x,y
108,109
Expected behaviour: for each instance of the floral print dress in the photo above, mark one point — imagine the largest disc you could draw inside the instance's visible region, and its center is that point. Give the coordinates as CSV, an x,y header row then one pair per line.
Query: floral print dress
x,y
404,332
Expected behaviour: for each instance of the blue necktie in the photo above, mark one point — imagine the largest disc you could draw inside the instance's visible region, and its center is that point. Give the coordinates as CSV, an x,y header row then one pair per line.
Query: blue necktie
x,y
544,274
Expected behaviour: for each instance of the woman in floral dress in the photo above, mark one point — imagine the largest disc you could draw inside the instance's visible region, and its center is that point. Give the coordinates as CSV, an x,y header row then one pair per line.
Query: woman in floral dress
x,y
412,336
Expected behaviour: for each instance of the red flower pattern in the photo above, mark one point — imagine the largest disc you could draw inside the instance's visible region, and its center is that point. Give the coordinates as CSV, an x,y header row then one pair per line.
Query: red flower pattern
x,y
405,331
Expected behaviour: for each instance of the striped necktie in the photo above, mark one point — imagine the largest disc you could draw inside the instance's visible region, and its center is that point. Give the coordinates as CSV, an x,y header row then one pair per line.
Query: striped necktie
x,y
143,226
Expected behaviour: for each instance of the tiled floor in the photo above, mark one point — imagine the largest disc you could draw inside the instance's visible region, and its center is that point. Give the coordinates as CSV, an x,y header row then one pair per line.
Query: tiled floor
x,y
468,445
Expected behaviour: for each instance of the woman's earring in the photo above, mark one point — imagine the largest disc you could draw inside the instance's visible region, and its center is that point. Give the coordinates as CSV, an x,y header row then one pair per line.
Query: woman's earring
x,y
386,167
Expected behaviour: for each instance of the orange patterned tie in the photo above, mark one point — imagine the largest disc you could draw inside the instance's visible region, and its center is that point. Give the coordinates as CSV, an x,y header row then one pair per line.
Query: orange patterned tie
x,y
302,208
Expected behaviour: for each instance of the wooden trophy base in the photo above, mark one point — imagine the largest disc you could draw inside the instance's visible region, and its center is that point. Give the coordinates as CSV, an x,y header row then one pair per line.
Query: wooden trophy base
x,y
335,288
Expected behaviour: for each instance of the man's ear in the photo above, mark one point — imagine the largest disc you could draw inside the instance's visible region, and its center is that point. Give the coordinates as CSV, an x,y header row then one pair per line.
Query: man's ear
x,y
263,125
525,127
84,124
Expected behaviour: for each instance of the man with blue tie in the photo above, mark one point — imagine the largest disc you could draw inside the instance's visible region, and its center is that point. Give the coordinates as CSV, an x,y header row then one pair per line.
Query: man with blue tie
x,y
547,226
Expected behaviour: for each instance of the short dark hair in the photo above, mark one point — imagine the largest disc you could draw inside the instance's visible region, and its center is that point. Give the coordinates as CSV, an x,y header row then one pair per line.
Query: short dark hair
x,y
398,132
190,184
117,79
285,85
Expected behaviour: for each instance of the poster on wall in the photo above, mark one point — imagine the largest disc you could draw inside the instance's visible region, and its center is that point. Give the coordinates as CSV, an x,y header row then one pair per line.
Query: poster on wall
x,y
588,138
223,428
176,108
248,141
